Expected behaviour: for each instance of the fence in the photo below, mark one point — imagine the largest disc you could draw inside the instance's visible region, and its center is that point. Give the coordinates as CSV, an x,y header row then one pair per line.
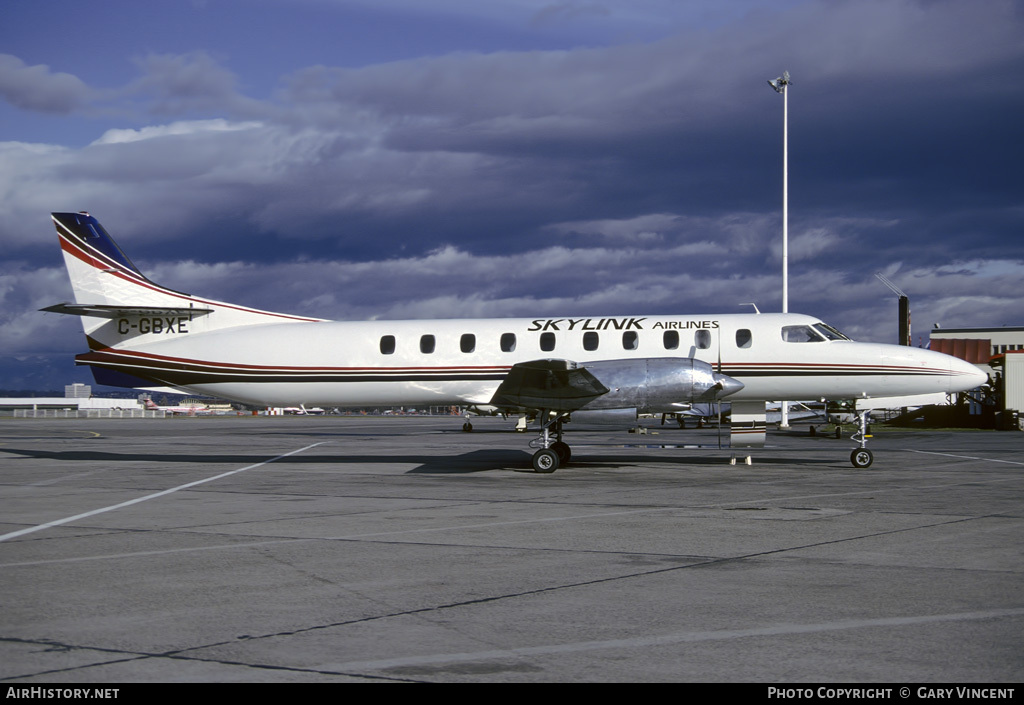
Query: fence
x,y
88,414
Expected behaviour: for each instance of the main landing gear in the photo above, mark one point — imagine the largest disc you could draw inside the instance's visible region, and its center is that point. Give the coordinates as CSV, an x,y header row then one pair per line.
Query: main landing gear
x,y
553,453
862,457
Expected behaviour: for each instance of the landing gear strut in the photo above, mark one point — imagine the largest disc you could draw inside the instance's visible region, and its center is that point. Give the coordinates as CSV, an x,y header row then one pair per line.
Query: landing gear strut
x,y
553,451
862,457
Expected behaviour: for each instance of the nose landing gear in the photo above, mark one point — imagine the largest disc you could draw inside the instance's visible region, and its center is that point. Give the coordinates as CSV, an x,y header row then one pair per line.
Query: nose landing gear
x,y
862,457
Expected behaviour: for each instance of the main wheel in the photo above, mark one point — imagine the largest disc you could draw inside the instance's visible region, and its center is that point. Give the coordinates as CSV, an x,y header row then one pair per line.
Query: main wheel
x,y
563,450
545,460
861,458
467,427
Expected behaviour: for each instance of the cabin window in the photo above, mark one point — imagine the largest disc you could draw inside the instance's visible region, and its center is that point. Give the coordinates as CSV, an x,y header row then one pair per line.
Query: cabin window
x,y
387,344
744,338
590,340
630,340
702,339
427,344
508,342
671,339
547,342
800,334
467,343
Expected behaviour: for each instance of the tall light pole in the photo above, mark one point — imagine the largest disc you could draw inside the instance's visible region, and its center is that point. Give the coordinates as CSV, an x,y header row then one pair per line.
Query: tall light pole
x,y
781,85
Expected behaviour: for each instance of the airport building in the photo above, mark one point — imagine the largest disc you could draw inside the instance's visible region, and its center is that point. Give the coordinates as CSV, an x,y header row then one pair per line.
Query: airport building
x,y
76,402
997,351
978,345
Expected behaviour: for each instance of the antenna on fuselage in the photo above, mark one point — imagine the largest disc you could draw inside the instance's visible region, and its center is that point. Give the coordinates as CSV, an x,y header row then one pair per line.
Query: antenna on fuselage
x,y
750,304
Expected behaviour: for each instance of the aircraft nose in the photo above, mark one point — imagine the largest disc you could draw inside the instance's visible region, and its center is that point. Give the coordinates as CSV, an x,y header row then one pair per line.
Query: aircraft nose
x,y
726,385
965,375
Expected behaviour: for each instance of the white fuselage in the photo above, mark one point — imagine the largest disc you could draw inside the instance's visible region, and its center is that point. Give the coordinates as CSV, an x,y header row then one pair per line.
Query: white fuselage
x,y
439,362
141,334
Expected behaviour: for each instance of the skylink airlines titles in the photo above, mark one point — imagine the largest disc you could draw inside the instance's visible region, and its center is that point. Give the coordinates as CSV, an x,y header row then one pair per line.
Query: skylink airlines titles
x,y
545,324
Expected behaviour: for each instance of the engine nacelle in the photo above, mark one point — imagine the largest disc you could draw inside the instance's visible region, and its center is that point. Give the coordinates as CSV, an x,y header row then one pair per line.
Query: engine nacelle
x,y
658,384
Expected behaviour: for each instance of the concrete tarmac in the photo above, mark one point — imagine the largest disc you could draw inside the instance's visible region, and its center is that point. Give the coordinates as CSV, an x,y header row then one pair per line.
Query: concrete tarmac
x,y
358,549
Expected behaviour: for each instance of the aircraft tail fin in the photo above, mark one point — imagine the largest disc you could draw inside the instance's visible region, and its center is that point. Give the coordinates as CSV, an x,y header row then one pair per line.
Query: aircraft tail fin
x,y
120,307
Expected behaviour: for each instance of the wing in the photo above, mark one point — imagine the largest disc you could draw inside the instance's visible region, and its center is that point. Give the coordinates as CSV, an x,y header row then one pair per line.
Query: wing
x,y
558,385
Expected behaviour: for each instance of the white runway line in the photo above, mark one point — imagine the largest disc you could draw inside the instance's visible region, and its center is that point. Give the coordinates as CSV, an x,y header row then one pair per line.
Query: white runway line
x,y
967,457
666,640
66,520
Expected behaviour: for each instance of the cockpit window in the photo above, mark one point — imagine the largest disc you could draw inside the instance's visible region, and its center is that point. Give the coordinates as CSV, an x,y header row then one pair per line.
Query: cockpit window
x,y
801,334
829,332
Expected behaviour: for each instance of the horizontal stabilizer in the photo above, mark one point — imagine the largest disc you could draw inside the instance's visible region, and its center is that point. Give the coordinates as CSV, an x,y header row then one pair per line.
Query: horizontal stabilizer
x,y
558,385
106,311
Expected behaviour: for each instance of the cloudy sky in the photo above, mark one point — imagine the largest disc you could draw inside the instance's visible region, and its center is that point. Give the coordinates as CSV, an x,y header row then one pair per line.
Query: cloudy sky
x,y
358,159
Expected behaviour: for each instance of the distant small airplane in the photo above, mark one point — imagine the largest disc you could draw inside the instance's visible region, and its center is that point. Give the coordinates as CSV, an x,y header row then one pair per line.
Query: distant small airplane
x,y
190,409
303,411
141,334
799,412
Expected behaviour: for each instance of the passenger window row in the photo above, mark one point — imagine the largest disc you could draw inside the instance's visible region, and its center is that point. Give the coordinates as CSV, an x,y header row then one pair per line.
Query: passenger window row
x,y
591,341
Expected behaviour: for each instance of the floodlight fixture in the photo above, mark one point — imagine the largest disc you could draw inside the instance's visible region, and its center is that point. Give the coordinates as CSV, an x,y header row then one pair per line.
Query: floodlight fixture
x,y
780,83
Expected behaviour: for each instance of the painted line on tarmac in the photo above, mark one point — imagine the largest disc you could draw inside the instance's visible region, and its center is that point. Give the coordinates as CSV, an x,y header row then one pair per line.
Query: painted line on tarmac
x,y
102,510
669,639
967,457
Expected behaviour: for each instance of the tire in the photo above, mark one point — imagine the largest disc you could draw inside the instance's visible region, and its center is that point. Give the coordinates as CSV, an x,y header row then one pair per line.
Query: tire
x,y
564,452
545,461
861,458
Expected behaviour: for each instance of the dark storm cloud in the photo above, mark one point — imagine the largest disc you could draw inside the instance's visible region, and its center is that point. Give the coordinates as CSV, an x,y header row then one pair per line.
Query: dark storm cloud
x,y
188,84
633,178
37,88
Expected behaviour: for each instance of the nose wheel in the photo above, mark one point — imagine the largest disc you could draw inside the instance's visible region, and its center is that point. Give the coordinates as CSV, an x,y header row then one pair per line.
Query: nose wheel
x,y
862,457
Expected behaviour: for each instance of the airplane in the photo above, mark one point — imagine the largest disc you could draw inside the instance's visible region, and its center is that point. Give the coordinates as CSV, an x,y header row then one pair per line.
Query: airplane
x,y
190,409
303,411
799,412
141,334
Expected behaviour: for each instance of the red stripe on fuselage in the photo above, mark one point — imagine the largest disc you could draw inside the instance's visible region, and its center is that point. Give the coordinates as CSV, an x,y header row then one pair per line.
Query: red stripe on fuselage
x,y
138,356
